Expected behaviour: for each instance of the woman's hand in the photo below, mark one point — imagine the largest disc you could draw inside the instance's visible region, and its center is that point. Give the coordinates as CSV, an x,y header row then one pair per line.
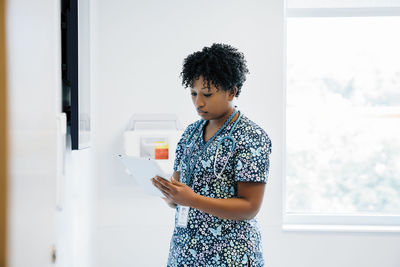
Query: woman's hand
x,y
175,191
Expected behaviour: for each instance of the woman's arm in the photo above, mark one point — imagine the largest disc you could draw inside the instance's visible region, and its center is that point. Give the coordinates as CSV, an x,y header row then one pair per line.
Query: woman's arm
x,y
244,207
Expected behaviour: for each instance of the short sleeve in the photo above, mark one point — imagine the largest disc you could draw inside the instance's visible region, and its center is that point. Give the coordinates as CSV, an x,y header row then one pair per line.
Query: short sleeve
x,y
180,147
252,158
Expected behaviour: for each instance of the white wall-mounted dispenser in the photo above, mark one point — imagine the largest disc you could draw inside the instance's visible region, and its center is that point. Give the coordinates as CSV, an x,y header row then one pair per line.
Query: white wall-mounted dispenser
x,y
153,136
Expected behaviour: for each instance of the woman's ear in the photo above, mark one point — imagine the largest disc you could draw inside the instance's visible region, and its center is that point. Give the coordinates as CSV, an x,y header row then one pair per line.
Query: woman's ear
x,y
232,93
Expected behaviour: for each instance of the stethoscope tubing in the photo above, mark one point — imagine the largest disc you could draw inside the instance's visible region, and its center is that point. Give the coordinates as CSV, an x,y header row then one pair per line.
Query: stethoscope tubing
x,y
228,137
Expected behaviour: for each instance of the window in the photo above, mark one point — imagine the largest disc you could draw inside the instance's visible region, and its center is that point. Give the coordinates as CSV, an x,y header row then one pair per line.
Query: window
x,y
342,118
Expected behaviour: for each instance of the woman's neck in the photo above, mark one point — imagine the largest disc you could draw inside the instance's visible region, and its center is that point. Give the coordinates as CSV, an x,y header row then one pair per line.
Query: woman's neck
x,y
217,123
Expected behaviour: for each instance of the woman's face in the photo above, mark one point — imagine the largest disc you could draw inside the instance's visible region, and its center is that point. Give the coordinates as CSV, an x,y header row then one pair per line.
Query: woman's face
x,y
210,103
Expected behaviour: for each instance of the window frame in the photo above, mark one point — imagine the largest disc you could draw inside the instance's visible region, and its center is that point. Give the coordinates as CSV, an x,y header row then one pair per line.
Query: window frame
x,y
328,222
342,12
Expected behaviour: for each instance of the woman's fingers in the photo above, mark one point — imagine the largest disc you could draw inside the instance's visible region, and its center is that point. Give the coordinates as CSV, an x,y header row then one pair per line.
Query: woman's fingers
x,y
162,190
163,186
169,202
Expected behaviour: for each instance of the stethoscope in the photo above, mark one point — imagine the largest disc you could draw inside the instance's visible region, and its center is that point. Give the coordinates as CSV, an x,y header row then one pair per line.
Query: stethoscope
x,y
228,137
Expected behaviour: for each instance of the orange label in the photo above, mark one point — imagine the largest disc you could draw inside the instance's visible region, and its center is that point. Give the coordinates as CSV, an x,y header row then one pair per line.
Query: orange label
x,y
161,153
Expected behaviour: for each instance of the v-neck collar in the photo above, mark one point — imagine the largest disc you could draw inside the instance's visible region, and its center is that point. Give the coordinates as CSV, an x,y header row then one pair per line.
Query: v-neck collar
x,y
202,132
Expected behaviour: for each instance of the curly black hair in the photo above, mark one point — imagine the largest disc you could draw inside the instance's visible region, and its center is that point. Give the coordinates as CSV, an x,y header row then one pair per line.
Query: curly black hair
x,y
221,65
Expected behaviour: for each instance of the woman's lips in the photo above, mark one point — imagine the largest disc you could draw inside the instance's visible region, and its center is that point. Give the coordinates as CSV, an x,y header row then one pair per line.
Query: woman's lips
x,y
201,112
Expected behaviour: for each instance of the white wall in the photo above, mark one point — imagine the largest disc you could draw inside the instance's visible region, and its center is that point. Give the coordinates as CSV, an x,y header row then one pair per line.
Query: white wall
x,y
33,59
76,211
34,101
137,52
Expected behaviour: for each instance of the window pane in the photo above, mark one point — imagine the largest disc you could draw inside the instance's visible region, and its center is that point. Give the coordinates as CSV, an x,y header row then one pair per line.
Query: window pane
x,y
343,115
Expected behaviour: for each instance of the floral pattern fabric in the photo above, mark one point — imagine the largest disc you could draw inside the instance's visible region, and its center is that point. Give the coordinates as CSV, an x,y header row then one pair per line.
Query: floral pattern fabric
x,y
209,240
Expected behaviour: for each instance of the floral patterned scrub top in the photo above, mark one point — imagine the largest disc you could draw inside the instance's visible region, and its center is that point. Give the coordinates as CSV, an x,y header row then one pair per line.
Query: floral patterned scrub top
x,y
209,240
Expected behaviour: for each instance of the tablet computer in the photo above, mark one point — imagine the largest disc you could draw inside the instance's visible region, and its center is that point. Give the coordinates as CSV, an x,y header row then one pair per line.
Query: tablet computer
x,y
143,169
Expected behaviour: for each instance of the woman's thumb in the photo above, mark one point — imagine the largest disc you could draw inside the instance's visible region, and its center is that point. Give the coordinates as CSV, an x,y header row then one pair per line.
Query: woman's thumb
x,y
173,180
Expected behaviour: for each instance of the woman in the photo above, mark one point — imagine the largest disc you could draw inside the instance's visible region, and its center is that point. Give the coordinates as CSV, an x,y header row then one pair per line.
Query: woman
x,y
217,192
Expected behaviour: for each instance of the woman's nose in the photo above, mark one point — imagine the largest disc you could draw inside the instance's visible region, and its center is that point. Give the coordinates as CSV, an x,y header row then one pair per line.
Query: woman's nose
x,y
199,101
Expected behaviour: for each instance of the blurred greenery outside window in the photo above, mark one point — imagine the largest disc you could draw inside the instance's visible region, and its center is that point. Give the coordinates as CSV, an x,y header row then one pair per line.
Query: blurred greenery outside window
x,y
343,117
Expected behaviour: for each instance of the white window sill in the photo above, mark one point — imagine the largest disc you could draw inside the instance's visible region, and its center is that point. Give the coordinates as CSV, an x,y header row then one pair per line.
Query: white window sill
x,y
340,228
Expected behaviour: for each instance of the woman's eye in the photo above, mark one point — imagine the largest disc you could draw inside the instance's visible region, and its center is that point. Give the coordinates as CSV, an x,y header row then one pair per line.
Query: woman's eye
x,y
193,94
207,95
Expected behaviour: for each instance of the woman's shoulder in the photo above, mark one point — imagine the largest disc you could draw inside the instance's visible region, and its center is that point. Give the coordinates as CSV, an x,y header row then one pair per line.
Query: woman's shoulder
x,y
190,128
249,131
248,126
193,125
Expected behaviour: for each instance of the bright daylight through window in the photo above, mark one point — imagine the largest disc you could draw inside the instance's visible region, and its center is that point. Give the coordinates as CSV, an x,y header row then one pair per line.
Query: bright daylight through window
x,y
343,115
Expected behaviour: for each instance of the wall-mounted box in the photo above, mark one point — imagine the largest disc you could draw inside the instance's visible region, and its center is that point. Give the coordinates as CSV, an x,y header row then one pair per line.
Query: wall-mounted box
x,y
153,136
